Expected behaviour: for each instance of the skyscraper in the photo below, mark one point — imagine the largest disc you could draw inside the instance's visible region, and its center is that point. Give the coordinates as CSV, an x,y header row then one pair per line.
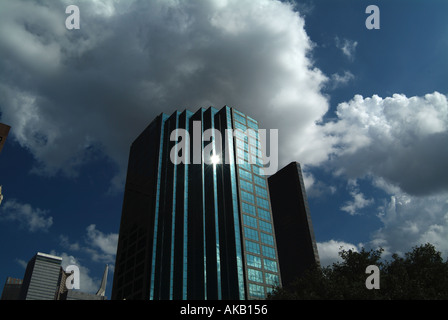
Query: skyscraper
x,y
42,277
297,250
196,229
11,290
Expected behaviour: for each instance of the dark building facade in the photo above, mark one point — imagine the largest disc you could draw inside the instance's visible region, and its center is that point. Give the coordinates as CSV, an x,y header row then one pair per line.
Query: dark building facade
x,y
297,249
196,230
4,130
11,290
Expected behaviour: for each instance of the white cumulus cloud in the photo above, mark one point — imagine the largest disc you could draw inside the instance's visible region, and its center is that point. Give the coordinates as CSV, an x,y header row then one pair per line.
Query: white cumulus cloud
x,y
329,251
399,139
32,219
100,247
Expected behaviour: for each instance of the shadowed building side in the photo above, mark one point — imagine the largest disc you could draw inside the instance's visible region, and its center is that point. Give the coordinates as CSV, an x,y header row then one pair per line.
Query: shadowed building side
x,y
297,249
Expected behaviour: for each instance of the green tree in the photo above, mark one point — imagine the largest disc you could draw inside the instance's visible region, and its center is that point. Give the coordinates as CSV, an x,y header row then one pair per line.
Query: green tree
x,y
420,274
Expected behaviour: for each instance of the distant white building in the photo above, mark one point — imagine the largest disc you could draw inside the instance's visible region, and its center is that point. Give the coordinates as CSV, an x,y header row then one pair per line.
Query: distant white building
x,y
45,279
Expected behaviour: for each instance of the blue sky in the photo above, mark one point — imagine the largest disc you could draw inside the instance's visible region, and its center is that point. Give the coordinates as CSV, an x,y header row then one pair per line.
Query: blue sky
x,y
364,111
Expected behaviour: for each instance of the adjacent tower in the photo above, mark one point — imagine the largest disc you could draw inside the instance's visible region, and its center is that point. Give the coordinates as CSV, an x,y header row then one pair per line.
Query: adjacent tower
x,y
196,229
297,249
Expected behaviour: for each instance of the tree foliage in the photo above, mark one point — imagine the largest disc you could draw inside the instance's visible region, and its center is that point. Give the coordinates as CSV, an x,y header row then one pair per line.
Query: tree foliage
x,y
419,274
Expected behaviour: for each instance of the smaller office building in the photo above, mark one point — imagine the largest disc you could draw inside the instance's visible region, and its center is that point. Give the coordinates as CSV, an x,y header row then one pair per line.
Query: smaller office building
x,y
41,279
296,244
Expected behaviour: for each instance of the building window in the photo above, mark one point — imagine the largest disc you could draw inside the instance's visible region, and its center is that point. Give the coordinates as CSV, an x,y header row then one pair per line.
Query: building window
x,y
252,125
256,169
254,275
268,252
267,238
271,279
260,181
265,226
244,165
240,134
246,185
270,265
251,233
241,144
254,142
243,154
240,126
247,197
239,118
262,192
253,133
263,203
256,291
250,221
248,208
253,261
252,247
244,174
263,214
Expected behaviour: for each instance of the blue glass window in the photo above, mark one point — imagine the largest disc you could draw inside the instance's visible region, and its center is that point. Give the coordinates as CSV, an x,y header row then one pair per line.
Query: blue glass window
x,y
255,275
265,226
238,112
245,174
256,291
240,126
247,196
241,153
257,169
250,221
244,165
263,203
250,118
270,265
246,185
252,247
254,142
267,238
252,125
248,208
262,192
271,279
268,252
253,261
241,144
240,134
255,151
263,214
239,118
260,181
253,133
251,233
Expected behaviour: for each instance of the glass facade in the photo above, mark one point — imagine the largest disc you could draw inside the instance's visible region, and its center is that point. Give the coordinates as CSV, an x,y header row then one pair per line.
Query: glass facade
x,y
196,230
258,237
